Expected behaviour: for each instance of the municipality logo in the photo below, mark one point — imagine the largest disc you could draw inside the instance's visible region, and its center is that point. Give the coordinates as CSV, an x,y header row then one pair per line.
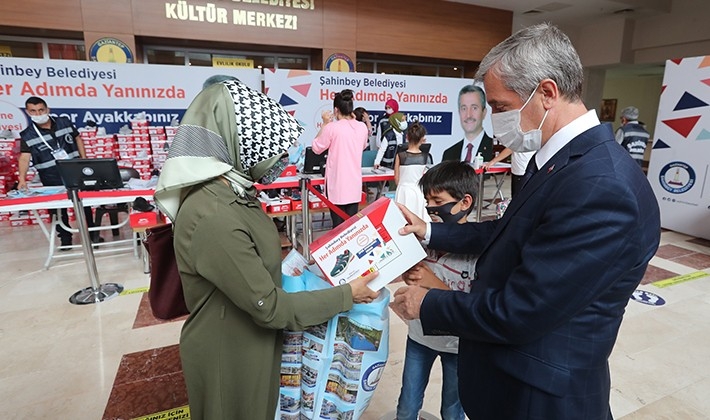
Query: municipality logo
x,y
677,177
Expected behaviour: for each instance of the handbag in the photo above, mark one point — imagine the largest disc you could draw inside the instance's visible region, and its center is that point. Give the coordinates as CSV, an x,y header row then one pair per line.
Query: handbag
x,y
165,294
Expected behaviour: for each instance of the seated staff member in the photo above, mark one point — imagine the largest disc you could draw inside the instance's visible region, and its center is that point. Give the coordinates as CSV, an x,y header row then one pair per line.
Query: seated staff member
x,y
45,141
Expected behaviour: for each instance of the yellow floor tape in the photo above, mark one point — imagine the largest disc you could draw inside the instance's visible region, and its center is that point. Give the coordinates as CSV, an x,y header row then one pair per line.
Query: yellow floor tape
x,y
680,279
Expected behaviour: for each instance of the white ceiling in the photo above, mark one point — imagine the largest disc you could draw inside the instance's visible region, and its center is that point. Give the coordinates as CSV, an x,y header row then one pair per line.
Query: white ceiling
x,y
571,12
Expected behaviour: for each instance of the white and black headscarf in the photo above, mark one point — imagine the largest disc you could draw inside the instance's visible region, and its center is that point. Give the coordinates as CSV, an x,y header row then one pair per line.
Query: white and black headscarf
x,y
228,130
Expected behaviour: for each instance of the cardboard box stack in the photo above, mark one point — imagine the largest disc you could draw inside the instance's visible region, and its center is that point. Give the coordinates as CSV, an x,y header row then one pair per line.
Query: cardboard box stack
x,y
160,140
9,150
134,148
98,144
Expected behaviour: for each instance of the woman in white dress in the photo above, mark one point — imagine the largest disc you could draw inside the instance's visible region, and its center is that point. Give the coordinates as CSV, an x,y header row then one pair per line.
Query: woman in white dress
x,y
409,166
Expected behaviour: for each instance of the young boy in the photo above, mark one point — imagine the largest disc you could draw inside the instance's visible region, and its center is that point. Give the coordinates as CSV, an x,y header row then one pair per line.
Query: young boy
x,y
450,190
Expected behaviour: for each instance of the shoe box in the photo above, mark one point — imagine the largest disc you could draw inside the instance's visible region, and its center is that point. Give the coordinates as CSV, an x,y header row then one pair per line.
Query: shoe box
x,y
368,241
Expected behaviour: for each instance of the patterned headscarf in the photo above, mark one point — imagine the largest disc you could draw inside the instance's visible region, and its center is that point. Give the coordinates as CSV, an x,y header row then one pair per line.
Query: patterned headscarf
x,y
228,130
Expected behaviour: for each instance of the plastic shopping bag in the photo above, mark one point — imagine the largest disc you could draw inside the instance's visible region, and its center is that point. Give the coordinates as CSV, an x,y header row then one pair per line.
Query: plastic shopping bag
x,y
330,371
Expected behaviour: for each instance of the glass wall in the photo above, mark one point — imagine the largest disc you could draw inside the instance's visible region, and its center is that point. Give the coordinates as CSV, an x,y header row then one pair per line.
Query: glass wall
x,y
58,49
406,67
202,57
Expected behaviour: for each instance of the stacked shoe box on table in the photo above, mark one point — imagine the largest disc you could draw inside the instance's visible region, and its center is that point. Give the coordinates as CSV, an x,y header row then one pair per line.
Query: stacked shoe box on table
x,y
9,173
98,144
134,148
160,140
276,205
9,151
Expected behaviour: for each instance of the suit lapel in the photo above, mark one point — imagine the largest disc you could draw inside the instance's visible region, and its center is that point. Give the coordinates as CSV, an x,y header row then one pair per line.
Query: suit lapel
x,y
571,151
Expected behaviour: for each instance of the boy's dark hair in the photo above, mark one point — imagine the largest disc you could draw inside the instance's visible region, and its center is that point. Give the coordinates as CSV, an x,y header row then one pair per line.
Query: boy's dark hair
x,y
360,113
35,100
416,132
455,177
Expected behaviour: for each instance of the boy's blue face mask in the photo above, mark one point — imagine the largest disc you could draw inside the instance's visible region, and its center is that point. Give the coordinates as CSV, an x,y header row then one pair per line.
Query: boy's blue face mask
x,y
443,213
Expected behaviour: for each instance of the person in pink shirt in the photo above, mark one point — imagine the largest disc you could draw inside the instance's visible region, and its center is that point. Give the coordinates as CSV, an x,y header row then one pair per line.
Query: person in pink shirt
x,y
345,138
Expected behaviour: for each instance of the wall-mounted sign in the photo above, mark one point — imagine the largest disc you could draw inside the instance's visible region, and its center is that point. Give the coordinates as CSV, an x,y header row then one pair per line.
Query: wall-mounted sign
x,y
339,62
239,63
269,17
110,50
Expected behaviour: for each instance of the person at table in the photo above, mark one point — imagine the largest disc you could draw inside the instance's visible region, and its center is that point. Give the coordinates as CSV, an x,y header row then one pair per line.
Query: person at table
x,y
363,116
518,162
555,273
345,138
229,254
472,111
46,140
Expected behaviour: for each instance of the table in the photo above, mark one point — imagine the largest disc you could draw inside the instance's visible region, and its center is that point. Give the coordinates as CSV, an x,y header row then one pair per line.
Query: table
x,y
56,198
369,175
53,198
497,168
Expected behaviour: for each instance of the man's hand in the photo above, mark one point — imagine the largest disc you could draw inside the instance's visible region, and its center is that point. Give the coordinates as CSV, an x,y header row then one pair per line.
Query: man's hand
x,y
362,293
416,225
22,185
421,275
408,301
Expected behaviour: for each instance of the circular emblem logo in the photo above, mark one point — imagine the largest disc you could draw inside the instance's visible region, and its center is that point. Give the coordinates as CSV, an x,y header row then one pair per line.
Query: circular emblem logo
x,y
677,177
372,376
339,62
87,171
110,50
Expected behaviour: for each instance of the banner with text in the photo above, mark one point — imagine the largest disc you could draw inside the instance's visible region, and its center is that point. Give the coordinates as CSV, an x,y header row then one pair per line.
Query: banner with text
x,y
109,94
679,170
432,101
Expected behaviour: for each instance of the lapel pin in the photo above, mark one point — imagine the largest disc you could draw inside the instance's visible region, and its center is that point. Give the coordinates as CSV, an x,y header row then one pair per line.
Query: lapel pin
x,y
550,168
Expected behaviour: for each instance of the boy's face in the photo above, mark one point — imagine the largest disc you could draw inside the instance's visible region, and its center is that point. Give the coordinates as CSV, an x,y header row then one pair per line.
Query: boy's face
x,y
440,209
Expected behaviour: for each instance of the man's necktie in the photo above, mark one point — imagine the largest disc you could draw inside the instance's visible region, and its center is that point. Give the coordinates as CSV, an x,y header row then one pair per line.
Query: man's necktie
x,y
469,152
529,172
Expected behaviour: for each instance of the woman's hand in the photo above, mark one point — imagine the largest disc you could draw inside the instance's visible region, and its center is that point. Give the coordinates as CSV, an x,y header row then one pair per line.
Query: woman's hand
x,y
327,116
362,293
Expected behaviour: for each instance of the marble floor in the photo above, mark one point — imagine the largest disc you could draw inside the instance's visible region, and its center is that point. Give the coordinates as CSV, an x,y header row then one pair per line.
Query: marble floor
x,y
113,360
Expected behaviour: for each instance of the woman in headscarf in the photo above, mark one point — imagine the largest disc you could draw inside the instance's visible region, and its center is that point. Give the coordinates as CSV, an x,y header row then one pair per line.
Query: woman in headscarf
x,y
391,134
229,256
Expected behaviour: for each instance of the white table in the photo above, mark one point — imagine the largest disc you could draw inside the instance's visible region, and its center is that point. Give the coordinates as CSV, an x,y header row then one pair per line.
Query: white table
x,y
52,198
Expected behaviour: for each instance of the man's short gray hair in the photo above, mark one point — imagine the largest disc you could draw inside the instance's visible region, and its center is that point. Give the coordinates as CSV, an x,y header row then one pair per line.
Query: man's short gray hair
x,y
631,113
532,54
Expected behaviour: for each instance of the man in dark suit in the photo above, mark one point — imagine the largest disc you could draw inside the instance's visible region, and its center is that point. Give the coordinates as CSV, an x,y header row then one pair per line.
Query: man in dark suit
x,y
472,111
555,273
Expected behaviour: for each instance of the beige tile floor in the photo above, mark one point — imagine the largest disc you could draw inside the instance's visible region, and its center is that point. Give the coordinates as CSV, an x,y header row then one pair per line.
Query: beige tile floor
x,y
59,361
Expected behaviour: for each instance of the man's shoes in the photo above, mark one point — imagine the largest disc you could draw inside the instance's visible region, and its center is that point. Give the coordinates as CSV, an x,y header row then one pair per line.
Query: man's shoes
x,y
96,240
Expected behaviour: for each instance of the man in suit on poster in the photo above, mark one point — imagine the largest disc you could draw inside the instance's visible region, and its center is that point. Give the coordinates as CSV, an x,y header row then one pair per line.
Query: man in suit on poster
x,y
472,111
555,273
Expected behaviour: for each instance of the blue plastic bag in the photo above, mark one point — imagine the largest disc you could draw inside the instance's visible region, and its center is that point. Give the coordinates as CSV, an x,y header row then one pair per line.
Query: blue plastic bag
x,y
330,371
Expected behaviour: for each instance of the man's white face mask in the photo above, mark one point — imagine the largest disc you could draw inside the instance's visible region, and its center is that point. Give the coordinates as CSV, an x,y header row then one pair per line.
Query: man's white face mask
x,y
40,119
506,129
